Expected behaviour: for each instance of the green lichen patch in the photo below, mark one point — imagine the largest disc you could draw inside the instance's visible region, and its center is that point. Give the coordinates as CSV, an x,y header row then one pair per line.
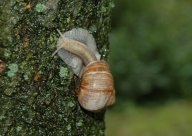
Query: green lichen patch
x,y
18,128
13,68
70,104
63,72
40,7
79,123
69,127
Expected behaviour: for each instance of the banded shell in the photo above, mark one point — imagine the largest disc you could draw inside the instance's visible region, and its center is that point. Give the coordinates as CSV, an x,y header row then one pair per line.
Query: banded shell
x,y
96,88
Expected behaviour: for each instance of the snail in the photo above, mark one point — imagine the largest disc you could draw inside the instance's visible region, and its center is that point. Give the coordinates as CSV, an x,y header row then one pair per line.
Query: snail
x,y
96,90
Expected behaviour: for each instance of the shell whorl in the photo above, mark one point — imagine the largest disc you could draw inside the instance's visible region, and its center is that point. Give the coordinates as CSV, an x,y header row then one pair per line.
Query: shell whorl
x,y
96,87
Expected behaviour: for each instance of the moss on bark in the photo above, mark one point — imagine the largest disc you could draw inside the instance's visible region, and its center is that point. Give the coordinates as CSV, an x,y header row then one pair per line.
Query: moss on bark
x,y
36,90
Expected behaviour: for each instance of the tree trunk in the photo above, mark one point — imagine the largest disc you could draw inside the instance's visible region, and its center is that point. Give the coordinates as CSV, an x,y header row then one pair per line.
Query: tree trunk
x,y
37,94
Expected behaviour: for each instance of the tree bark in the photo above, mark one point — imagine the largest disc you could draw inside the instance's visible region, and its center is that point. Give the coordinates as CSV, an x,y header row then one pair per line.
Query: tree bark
x,y
37,94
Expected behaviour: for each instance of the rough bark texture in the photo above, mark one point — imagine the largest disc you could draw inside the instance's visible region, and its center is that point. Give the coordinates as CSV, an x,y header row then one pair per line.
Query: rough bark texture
x,y
36,90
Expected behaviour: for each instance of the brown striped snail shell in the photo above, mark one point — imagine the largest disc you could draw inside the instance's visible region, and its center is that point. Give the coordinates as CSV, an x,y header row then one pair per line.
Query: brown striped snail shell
x,y
96,87
96,90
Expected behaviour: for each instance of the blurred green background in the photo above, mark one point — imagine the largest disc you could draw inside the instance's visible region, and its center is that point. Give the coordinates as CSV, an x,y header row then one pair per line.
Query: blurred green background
x,y
151,60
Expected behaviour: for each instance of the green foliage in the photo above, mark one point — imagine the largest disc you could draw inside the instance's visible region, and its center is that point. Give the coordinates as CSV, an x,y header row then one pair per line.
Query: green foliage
x,y
171,119
151,48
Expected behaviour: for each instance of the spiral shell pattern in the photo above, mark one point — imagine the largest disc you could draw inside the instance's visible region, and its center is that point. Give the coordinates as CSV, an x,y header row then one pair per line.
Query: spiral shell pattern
x,y
97,87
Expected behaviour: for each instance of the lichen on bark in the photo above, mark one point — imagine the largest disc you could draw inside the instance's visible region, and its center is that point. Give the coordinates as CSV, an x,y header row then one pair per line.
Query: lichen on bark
x,y
37,94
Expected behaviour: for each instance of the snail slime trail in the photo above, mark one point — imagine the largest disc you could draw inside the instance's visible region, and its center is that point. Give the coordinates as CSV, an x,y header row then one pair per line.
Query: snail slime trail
x,y
77,48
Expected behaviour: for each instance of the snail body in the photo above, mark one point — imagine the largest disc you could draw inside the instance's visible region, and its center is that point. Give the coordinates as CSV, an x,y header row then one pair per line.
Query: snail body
x,y
72,60
96,90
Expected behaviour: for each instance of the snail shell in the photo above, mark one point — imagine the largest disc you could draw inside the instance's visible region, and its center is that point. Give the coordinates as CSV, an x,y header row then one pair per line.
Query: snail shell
x,y
96,88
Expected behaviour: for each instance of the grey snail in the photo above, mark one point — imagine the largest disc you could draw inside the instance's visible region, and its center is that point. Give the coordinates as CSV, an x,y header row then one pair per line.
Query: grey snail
x,y
96,90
